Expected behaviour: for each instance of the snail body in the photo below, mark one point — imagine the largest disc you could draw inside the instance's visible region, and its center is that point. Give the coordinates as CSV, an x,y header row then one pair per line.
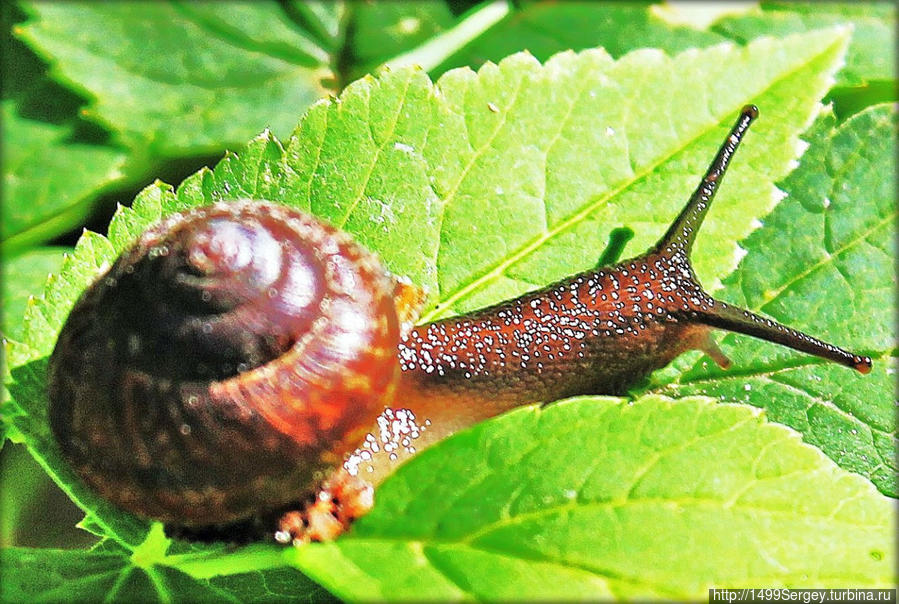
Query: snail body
x,y
597,332
227,364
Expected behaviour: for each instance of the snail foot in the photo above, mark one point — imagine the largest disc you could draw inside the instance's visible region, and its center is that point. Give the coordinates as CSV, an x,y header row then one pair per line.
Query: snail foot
x,y
339,501
235,533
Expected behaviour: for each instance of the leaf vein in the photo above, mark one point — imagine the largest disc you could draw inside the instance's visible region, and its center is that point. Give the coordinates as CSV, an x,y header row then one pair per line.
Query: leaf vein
x,y
378,150
318,154
831,257
576,217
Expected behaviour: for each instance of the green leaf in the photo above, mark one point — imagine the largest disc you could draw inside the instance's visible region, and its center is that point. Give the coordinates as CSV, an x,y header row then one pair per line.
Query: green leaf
x,y
383,30
42,575
871,56
56,164
546,28
18,467
583,499
597,157
479,187
271,586
834,275
23,277
869,76
182,78
593,497
48,181
25,79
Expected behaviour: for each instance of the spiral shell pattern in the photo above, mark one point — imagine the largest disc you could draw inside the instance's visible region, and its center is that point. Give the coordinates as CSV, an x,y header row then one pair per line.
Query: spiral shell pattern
x,y
224,363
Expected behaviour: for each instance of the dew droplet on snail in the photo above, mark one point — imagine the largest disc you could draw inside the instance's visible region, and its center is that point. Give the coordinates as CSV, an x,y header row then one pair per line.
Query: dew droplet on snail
x,y
244,370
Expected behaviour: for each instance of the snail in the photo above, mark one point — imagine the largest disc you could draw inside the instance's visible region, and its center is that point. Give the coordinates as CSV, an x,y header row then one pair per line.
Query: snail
x,y
246,369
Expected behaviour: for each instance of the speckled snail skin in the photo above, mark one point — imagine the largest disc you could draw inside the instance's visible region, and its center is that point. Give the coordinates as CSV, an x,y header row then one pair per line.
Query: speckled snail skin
x,y
229,374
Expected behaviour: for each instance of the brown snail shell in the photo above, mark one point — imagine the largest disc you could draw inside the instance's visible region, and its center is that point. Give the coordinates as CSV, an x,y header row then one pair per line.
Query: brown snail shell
x,y
224,364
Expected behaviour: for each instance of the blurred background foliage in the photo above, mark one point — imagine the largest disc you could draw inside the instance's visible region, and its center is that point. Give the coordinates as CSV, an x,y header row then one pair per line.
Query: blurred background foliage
x,y
101,99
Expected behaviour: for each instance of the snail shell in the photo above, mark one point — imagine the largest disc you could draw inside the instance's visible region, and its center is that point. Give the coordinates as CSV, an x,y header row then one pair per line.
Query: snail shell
x,y
224,363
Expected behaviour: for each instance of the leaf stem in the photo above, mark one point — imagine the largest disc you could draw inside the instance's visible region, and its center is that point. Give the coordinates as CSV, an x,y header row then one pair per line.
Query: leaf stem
x,y
438,48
